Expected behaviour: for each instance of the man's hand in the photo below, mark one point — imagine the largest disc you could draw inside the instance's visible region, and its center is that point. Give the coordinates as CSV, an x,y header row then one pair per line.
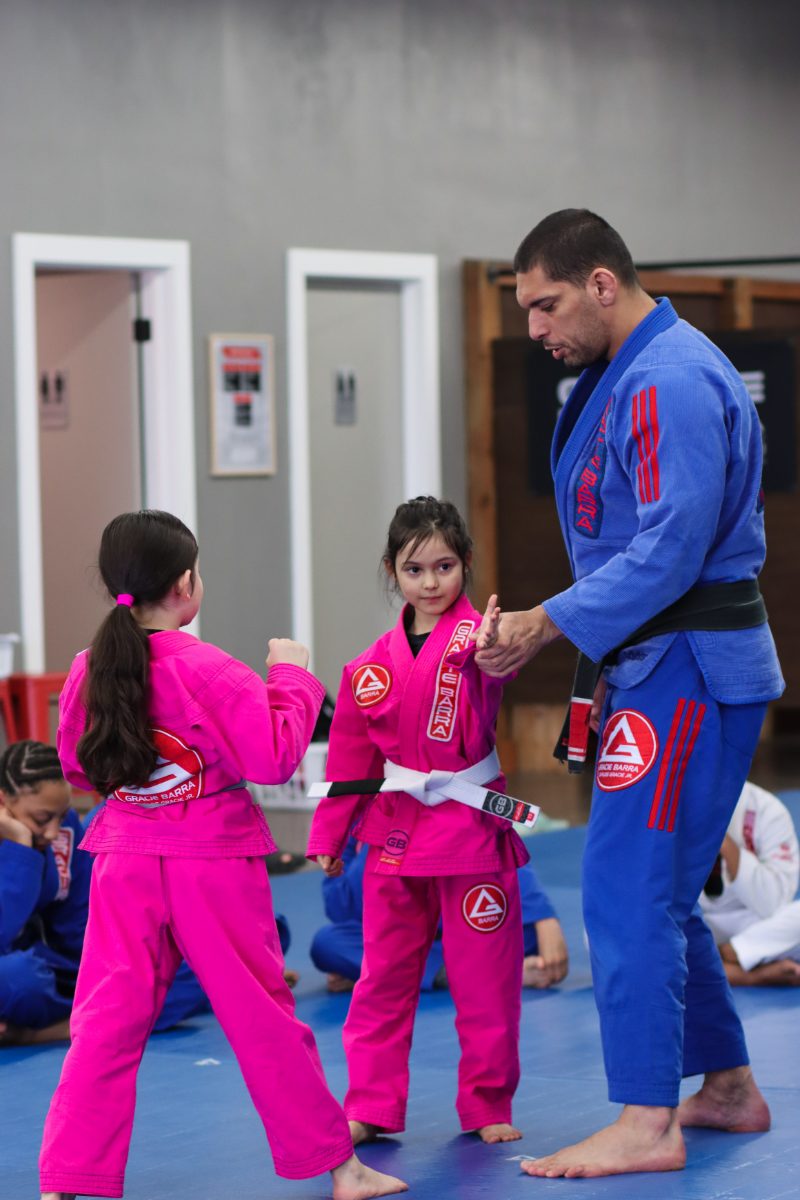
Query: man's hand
x,y
486,635
598,701
12,830
520,637
284,650
332,867
551,964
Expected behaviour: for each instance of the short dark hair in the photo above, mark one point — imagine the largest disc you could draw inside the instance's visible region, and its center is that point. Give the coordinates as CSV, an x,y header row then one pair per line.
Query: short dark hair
x,y
569,244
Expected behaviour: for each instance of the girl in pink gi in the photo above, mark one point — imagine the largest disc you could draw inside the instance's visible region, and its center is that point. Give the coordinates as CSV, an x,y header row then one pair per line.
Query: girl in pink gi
x,y
168,729
416,699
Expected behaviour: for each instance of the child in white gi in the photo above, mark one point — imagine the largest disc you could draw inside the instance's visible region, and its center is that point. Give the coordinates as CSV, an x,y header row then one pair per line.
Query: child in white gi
x,y
748,901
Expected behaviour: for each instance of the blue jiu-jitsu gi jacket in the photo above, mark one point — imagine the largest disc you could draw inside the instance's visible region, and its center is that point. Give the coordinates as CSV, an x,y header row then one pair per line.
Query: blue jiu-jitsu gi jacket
x,y
44,897
657,473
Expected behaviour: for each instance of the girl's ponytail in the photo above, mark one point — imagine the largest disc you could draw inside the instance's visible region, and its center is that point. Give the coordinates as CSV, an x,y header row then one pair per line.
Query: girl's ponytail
x,y
142,555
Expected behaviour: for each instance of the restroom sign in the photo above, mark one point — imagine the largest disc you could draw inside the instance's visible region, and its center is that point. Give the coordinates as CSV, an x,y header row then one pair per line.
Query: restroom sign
x,y
242,404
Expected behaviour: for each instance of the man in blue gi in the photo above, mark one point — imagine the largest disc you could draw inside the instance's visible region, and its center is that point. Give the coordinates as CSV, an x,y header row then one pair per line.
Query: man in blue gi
x,y
657,466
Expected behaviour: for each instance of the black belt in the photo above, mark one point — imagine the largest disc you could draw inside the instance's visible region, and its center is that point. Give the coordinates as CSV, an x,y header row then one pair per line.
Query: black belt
x,y
721,606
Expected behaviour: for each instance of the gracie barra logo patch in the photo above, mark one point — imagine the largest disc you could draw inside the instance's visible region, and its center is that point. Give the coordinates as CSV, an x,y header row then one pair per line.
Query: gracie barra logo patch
x,y
62,849
628,750
179,774
448,685
371,684
484,907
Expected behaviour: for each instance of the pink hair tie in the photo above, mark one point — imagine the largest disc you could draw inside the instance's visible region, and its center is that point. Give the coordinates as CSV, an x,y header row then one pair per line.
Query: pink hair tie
x,y
126,599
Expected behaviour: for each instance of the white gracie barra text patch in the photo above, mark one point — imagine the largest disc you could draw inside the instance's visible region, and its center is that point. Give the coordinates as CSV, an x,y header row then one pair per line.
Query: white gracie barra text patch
x,y
62,849
448,685
179,774
627,751
484,907
371,684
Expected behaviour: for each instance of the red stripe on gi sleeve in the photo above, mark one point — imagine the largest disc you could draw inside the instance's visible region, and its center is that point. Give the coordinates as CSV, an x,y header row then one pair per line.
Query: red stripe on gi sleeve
x,y
662,774
640,446
644,425
701,712
654,427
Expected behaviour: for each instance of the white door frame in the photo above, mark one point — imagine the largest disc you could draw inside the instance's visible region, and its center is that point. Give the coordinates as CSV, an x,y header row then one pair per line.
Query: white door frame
x,y
419,314
169,452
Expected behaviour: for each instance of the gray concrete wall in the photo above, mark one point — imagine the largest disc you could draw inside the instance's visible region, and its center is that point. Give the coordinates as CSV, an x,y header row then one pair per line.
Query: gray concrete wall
x,y
447,126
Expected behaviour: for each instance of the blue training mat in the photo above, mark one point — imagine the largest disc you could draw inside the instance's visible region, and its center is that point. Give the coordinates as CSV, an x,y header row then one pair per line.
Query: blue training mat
x,y
196,1132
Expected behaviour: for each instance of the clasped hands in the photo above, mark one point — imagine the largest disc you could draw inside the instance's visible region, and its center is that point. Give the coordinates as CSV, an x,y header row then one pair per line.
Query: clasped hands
x,y
504,642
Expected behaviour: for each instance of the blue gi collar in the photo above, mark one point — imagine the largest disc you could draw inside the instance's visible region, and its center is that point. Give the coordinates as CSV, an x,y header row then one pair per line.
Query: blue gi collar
x,y
589,397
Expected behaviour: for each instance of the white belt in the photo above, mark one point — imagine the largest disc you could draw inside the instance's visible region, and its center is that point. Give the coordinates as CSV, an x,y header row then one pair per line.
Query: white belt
x,y
434,787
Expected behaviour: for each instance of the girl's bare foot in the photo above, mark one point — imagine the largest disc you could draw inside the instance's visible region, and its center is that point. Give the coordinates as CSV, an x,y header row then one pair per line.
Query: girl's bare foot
x,y
291,978
362,1131
502,1132
338,983
353,1180
642,1139
728,1100
58,1196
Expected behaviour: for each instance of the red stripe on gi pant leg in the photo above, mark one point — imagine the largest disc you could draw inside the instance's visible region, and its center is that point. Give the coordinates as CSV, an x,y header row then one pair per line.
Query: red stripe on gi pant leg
x,y
701,712
676,760
638,439
644,425
662,774
656,435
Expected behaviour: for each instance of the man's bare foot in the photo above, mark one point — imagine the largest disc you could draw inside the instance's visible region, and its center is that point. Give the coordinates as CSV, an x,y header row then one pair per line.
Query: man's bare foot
x,y
783,973
20,1035
501,1132
362,1131
353,1180
291,978
534,976
641,1139
338,983
728,1100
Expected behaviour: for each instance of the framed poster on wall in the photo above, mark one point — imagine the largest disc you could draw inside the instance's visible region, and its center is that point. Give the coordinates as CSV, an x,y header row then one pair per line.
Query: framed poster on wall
x,y
242,372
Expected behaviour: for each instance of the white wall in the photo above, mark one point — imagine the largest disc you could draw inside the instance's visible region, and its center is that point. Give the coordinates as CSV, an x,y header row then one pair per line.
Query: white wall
x,y
248,126
89,470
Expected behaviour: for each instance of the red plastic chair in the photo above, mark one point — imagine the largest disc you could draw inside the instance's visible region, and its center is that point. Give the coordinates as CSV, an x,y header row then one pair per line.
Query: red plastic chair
x,y
7,710
30,703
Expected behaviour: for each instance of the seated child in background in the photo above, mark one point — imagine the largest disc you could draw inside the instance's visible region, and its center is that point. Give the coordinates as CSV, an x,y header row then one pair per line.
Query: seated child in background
x,y
44,896
338,948
44,903
748,902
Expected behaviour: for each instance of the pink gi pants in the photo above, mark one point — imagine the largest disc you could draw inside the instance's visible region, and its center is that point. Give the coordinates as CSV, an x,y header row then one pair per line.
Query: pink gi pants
x,y
145,914
483,950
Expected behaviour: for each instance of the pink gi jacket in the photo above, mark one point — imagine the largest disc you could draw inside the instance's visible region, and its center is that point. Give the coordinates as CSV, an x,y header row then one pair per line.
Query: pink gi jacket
x,y
215,724
435,712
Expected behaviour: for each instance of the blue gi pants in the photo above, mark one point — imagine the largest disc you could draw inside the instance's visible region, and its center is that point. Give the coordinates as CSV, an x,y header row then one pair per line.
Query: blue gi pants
x,y
666,1008
28,990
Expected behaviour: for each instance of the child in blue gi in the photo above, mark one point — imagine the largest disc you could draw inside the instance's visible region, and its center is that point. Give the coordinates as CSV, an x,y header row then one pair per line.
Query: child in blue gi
x,y
338,948
44,896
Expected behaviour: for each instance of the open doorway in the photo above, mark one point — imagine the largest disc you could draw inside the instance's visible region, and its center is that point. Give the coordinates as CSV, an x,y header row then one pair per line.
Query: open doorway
x,y
89,447
103,425
364,434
